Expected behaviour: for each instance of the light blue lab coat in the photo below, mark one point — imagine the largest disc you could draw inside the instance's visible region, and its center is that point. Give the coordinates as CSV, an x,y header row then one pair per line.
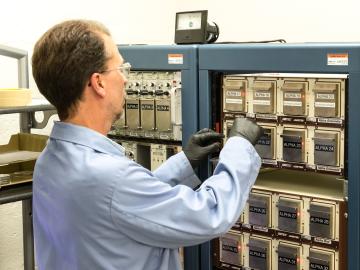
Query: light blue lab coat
x,y
93,208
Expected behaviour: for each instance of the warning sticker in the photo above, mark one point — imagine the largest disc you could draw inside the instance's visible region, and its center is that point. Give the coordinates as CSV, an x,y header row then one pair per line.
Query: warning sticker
x,y
337,59
175,59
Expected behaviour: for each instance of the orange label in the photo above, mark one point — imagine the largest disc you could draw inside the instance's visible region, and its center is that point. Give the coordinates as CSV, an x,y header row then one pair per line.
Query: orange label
x,y
338,59
175,59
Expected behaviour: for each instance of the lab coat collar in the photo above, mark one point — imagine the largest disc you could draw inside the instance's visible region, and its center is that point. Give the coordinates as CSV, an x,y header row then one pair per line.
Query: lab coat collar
x,y
85,136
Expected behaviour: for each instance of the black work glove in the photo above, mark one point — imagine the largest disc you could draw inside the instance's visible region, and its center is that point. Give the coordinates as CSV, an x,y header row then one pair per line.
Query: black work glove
x,y
247,129
201,144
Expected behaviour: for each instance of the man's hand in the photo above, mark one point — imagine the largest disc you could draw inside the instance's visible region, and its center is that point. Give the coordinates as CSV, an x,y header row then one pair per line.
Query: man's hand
x,y
201,144
247,129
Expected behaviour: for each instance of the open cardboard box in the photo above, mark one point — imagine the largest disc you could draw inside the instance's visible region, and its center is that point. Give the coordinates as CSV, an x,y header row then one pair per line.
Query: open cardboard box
x,y
17,158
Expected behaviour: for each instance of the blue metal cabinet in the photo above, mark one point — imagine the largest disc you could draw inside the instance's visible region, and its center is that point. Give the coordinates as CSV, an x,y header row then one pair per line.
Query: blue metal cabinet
x,y
292,58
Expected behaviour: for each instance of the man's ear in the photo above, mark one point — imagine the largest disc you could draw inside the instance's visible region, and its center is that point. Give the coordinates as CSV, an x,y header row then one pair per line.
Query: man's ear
x,y
97,84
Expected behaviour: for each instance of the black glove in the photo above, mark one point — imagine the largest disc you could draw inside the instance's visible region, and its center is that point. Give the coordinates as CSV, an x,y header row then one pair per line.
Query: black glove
x,y
201,144
247,129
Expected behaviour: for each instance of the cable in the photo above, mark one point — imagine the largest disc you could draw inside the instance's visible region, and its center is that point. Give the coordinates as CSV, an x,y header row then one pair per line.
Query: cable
x,y
262,41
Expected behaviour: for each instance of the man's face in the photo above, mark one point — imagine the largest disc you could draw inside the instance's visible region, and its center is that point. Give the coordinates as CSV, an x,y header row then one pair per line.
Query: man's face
x,y
115,80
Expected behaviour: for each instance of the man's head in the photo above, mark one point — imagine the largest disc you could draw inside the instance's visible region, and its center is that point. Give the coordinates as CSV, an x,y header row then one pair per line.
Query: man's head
x,y
75,56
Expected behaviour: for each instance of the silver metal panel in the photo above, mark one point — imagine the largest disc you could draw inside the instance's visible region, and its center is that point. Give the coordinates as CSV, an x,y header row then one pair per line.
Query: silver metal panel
x,y
259,210
326,149
163,115
288,257
132,113
147,114
294,98
288,215
321,221
293,145
263,96
229,249
266,144
259,254
326,99
321,260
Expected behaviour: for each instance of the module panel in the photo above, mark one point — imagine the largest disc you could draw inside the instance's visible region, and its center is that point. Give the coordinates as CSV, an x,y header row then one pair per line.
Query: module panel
x,y
152,106
303,116
283,231
296,214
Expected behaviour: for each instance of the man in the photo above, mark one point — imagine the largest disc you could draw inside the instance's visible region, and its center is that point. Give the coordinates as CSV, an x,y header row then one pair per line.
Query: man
x,y
93,207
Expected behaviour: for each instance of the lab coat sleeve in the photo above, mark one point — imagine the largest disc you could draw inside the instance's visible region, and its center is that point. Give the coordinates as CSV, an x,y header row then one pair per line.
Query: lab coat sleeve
x,y
180,170
155,213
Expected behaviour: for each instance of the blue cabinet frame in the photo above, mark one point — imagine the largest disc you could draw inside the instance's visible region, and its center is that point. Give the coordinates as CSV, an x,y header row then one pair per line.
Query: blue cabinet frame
x,y
292,58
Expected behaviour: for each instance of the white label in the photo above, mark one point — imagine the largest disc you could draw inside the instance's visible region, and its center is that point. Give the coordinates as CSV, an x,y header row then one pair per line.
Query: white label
x,y
149,135
325,96
262,95
292,95
330,120
328,168
233,100
325,104
261,102
269,161
164,136
233,93
337,59
266,116
293,103
259,228
175,59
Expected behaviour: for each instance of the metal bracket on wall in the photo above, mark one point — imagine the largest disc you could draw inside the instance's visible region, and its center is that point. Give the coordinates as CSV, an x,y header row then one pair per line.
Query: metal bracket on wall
x,y
28,120
44,122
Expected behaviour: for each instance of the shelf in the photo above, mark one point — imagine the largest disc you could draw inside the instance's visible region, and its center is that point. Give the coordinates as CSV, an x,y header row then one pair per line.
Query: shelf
x,y
34,106
15,193
17,157
307,184
23,192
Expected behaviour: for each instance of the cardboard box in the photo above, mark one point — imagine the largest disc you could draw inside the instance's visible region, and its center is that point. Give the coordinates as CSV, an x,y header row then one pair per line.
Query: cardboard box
x,y
17,158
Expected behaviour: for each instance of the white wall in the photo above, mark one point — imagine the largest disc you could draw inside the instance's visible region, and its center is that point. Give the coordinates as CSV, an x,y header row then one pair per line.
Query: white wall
x,y
295,21
152,22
